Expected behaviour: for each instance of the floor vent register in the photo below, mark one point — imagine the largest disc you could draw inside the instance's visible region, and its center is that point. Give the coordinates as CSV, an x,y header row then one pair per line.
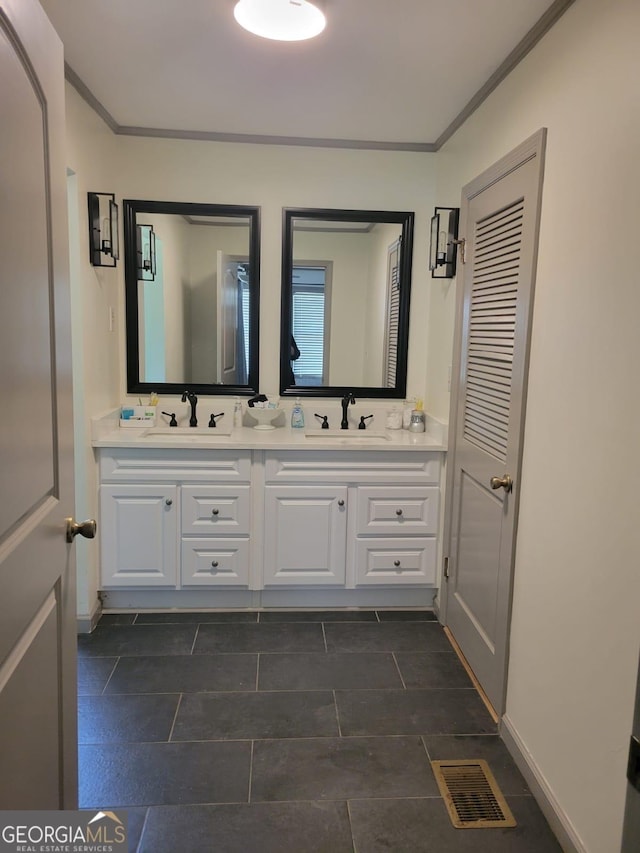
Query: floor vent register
x,y
471,794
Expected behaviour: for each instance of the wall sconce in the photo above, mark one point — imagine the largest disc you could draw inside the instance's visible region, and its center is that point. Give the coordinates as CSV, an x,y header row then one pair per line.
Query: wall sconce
x,y
444,236
146,252
104,243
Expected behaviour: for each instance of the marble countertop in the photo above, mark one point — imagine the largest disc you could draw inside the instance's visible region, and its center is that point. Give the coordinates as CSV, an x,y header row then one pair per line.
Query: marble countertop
x,y
107,434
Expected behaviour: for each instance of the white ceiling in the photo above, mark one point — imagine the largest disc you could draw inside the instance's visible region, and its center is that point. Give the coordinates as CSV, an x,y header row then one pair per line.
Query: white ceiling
x,y
383,71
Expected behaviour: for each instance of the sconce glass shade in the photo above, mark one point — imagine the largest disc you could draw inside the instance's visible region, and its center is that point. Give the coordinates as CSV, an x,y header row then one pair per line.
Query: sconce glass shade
x,y
146,252
281,20
443,249
104,241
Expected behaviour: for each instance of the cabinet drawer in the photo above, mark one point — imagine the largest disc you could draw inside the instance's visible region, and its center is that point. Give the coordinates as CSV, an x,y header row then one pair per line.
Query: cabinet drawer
x,y
361,466
395,561
397,511
149,464
215,562
216,510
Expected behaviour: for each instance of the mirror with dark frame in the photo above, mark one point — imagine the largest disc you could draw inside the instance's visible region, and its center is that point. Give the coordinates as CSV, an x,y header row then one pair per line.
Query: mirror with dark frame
x,y
194,323
346,288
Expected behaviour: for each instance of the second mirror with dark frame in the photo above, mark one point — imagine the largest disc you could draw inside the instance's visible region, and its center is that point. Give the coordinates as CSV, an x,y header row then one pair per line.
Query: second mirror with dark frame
x,y
346,287
192,275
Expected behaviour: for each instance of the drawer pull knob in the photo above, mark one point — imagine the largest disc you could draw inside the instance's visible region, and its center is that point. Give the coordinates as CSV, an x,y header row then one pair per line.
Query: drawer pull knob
x,y
340,502
215,511
396,563
168,501
214,564
398,512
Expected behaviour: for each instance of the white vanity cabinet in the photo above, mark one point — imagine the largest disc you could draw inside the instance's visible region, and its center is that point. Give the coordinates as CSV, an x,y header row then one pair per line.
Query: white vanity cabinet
x,y
268,527
176,519
361,519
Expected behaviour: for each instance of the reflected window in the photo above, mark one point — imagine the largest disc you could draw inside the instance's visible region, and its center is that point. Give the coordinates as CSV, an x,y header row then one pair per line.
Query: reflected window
x,y
310,345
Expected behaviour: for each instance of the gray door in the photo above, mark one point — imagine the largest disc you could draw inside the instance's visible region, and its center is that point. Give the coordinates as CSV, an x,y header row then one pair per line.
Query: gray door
x,y
631,833
37,571
499,219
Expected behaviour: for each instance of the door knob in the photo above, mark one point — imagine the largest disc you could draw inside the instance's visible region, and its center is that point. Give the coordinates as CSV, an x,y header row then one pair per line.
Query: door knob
x,y
505,483
85,528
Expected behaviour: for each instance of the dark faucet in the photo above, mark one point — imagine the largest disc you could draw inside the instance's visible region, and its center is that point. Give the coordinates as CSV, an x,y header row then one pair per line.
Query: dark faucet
x,y
193,400
348,398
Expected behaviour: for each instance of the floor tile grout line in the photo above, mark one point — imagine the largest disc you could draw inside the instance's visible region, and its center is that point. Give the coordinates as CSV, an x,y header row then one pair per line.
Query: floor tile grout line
x,y
175,717
353,840
257,674
113,669
324,637
335,704
378,616
250,773
195,637
395,660
144,826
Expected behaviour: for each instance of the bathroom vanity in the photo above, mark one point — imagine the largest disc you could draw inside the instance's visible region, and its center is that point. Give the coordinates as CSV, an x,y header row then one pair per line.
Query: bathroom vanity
x,y
271,518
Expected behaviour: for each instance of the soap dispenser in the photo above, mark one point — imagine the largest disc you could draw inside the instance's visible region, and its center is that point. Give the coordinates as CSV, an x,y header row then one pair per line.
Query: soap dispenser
x,y
297,415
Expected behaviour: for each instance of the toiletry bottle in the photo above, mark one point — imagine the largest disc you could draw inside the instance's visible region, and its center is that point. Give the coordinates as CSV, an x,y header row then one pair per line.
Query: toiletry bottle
x,y
417,418
409,406
237,413
297,415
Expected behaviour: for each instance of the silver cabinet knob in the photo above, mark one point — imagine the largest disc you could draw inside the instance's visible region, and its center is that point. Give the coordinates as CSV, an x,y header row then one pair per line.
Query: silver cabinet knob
x,y
396,563
168,501
215,512
505,483
84,528
340,502
398,512
214,564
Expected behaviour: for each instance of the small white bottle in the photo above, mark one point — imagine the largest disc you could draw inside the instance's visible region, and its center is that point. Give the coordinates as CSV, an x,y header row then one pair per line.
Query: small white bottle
x,y
409,406
297,415
237,413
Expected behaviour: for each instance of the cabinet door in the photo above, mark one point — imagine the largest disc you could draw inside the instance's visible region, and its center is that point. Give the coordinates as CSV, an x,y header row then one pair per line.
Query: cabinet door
x,y
138,535
305,535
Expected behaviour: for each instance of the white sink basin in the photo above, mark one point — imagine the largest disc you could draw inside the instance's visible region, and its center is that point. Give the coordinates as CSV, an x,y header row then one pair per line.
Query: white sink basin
x,y
347,434
188,433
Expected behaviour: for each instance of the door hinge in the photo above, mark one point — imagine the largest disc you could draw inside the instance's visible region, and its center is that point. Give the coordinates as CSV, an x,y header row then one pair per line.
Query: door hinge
x,y
462,242
446,568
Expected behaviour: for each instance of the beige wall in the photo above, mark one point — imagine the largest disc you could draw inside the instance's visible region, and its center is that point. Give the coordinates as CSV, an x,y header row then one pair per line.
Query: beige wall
x,y
95,290
274,177
575,629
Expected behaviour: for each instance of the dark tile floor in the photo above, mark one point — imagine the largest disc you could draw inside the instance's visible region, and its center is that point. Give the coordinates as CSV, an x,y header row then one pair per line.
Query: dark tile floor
x,y
287,732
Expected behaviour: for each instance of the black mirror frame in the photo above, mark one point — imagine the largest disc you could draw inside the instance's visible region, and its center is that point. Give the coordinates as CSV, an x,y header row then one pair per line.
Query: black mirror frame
x,y
404,218
132,207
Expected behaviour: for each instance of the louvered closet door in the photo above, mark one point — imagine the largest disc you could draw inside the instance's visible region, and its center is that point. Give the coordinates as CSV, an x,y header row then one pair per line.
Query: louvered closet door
x,y
500,218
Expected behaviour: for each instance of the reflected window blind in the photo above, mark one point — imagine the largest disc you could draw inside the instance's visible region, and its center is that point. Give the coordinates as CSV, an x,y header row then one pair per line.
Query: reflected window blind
x,y
308,331
492,319
393,314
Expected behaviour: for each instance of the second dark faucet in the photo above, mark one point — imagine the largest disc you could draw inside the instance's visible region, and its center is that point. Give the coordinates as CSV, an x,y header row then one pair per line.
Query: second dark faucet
x,y
193,400
348,398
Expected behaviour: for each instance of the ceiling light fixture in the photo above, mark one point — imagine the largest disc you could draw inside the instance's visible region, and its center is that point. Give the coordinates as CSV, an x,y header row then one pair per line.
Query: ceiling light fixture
x,y
282,20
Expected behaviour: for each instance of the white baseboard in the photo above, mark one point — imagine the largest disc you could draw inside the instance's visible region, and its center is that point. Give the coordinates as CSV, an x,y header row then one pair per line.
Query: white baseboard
x,y
556,817
86,624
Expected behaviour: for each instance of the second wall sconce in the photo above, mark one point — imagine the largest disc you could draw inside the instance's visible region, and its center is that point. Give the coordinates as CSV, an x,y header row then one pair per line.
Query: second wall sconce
x,y
444,237
104,244
146,252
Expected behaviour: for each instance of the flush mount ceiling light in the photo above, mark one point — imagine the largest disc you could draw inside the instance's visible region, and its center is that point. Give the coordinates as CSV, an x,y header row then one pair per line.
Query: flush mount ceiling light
x,y
282,20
